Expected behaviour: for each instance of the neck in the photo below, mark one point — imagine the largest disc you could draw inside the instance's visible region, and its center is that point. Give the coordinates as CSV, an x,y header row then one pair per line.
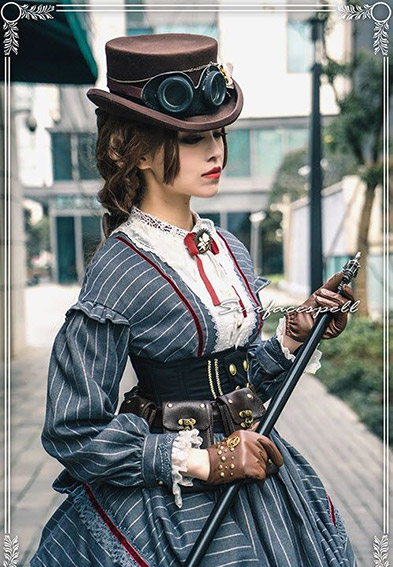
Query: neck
x,y
178,214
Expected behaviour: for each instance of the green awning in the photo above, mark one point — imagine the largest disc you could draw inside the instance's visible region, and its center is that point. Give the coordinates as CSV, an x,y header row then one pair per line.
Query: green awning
x,y
53,50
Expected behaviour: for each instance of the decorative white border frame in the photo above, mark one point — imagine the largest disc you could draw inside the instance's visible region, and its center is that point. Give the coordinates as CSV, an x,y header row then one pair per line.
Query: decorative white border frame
x,y
11,44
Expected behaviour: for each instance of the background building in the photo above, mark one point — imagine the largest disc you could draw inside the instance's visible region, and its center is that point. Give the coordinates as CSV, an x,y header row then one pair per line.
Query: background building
x,y
271,54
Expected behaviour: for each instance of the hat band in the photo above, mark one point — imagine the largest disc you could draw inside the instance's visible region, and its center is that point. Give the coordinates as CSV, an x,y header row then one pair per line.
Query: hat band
x,y
124,89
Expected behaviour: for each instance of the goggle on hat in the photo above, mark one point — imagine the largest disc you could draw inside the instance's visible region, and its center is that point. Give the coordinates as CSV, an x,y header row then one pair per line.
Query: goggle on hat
x,y
171,80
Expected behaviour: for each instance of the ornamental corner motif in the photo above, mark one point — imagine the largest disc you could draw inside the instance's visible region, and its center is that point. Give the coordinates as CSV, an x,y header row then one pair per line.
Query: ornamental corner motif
x,y
10,27
381,551
381,27
11,551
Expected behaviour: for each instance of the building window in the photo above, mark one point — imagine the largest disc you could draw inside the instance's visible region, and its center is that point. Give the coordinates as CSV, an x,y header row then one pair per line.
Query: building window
x,y
299,51
209,29
86,159
91,237
296,138
268,151
238,154
61,155
66,253
141,21
267,146
136,20
73,156
239,224
215,217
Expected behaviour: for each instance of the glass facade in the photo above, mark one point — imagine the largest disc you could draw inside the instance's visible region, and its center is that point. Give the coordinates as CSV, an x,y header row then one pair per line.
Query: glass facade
x,y
86,160
91,237
299,51
259,152
61,155
73,156
66,253
238,154
268,151
215,217
239,224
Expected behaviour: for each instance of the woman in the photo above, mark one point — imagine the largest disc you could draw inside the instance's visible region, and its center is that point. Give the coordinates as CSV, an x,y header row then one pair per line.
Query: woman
x,y
179,297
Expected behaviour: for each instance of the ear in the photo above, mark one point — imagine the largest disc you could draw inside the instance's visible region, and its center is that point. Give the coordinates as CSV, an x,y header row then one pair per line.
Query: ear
x,y
145,162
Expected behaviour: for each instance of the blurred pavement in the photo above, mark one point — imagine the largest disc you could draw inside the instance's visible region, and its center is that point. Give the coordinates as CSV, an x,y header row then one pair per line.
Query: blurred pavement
x,y
325,430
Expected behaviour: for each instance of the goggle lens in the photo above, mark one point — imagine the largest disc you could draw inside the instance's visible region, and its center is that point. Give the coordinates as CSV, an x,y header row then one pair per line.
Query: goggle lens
x,y
215,88
175,93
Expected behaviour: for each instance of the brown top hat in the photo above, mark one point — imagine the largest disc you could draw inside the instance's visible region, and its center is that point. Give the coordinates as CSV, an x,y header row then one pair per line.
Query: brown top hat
x,y
170,80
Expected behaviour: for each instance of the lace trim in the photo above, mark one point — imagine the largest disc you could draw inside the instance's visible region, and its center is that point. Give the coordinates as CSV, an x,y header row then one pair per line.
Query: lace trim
x,y
184,442
100,531
313,364
164,226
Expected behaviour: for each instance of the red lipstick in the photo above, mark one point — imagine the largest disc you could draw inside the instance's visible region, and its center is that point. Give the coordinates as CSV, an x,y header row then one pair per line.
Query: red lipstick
x,y
213,173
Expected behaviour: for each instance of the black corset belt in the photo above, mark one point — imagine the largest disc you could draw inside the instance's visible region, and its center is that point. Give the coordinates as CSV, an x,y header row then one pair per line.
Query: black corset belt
x,y
203,378
209,393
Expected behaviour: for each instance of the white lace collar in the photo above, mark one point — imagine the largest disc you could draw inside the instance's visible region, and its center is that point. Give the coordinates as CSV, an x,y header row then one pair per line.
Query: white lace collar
x,y
149,220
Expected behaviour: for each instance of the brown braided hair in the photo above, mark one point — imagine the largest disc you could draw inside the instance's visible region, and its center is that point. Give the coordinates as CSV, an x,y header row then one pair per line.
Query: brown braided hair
x,y
120,146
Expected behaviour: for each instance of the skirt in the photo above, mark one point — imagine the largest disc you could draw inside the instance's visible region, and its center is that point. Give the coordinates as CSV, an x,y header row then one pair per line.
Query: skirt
x,y
287,521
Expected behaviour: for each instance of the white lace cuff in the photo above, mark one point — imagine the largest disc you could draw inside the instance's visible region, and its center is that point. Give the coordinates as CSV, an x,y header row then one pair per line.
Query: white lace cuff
x,y
313,364
184,442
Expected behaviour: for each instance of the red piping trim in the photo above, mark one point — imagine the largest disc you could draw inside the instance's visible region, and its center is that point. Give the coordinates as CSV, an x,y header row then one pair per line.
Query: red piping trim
x,y
116,532
332,512
207,283
176,289
244,310
247,285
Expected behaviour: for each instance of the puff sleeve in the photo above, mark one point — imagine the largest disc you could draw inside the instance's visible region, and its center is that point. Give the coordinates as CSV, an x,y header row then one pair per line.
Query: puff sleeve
x,y
81,429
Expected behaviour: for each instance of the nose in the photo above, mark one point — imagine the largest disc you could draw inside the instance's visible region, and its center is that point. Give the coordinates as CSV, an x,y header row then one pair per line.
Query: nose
x,y
216,148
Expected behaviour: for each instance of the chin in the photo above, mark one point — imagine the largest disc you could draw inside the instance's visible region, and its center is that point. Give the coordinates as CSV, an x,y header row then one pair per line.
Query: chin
x,y
208,192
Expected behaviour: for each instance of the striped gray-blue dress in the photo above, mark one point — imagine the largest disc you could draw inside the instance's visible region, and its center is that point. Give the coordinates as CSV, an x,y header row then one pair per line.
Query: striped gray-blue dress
x,y
117,474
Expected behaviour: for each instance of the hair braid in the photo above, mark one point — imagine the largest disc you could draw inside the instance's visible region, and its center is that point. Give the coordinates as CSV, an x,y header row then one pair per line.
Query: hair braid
x,y
120,146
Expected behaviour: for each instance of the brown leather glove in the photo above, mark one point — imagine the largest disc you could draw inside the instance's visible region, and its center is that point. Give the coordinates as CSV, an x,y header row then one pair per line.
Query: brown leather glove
x,y
244,454
300,321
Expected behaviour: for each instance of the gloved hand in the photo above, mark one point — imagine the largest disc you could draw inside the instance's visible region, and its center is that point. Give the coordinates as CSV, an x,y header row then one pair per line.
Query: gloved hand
x,y
244,454
300,321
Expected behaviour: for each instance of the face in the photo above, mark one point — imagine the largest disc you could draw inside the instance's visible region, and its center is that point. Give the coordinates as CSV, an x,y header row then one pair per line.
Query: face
x,y
201,158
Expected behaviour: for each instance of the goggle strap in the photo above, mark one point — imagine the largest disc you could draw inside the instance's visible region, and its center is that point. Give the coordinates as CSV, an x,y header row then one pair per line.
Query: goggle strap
x,y
128,90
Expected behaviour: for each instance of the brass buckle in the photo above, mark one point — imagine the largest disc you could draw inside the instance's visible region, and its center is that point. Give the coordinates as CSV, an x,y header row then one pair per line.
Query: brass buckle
x,y
233,442
187,423
248,418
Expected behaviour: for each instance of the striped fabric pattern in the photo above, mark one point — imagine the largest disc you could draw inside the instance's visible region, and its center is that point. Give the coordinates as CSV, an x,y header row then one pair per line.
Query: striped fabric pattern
x,y
120,510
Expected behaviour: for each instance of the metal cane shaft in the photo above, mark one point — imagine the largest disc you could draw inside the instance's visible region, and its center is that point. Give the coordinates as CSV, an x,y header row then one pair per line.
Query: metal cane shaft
x,y
269,420
265,427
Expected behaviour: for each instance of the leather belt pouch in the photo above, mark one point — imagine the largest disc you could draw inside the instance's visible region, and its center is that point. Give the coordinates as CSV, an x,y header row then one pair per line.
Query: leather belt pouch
x,y
143,407
189,414
240,409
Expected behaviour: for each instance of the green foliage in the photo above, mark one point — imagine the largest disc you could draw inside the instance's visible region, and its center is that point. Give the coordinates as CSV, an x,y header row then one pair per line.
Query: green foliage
x,y
288,180
357,129
352,369
271,237
352,142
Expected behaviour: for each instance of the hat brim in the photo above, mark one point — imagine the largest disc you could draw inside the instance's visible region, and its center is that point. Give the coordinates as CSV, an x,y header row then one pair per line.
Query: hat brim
x,y
125,108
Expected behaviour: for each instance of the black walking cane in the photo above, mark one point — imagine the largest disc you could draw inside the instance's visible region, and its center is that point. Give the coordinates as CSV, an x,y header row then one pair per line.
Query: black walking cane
x,y
268,421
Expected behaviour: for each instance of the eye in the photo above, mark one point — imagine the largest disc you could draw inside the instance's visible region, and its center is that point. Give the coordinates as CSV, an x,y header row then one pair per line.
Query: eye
x,y
191,139
220,134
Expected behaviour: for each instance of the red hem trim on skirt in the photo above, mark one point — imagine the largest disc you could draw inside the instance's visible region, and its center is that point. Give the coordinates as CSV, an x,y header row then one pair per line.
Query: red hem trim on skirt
x,y
116,532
